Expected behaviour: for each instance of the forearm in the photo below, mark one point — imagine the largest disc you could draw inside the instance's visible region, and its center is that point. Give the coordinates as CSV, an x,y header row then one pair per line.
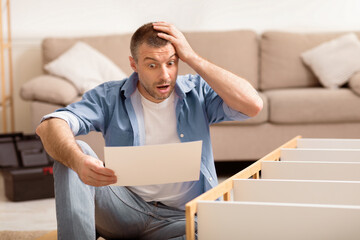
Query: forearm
x,y
59,142
236,92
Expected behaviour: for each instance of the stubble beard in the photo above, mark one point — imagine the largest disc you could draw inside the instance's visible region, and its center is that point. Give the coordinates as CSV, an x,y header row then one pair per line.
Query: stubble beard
x,y
153,93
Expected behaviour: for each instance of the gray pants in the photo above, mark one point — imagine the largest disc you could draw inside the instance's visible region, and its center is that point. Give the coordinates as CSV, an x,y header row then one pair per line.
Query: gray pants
x,y
112,212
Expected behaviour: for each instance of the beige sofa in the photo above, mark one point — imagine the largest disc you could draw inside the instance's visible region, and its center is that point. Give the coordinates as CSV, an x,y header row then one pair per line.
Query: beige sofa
x,y
294,101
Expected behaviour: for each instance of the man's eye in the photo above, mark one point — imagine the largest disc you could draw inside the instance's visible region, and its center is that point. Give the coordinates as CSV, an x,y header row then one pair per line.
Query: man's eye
x,y
171,63
152,65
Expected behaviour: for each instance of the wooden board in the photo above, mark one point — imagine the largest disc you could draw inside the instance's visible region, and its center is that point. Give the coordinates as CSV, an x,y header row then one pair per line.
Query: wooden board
x,y
311,171
259,221
297,191
49,236
316,154
328,143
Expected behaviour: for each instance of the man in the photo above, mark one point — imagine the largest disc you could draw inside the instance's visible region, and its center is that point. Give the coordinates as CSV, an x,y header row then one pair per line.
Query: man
x,y
153,106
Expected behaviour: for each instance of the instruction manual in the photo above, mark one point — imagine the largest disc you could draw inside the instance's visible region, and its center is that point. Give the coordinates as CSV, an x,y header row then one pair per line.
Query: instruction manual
x,y
155,164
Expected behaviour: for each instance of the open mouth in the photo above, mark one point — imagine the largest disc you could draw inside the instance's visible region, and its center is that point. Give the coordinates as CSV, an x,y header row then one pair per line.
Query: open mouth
x,y
163,87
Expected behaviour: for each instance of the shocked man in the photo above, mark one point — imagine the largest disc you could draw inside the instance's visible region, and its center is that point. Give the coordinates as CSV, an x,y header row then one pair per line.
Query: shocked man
x,y
153,106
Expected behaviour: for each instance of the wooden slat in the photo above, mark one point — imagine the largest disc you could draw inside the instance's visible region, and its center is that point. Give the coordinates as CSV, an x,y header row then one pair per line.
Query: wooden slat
x,y
6,46
49,236
226,186
11,76
8,98
227,196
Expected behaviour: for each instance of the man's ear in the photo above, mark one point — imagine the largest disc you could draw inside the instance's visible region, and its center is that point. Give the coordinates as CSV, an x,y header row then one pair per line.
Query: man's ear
x,y
133,63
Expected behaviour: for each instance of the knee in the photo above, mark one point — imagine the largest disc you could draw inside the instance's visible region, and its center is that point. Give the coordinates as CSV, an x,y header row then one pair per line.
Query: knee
x,y
86,148
58,167
65,177
61,171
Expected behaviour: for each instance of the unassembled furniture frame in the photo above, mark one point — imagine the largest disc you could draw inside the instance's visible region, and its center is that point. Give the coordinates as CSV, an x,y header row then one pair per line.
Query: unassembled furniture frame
x,y
309,189
224,188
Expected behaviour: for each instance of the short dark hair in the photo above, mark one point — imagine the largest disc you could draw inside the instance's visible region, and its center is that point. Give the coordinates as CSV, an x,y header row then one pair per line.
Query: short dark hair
x,y
145,34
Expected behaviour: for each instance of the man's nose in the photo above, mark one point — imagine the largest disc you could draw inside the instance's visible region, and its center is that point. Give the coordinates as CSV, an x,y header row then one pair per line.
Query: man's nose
x,y
164,74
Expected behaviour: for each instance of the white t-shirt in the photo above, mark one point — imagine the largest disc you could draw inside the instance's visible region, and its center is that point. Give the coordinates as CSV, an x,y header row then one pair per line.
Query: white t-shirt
x,y
160,128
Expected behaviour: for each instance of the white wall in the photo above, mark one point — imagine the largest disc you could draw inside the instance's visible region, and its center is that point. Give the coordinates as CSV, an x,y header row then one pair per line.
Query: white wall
x,y
41,18
32,20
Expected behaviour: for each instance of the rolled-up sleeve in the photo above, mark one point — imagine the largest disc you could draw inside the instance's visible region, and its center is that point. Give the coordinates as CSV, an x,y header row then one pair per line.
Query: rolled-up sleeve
x,y
216,109
233,114
68,117
85,115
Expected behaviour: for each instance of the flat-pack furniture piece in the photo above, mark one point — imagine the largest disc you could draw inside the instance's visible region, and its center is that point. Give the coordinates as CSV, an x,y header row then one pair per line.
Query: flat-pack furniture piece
x,y
344,171
320,154
285,197
297,191
259,220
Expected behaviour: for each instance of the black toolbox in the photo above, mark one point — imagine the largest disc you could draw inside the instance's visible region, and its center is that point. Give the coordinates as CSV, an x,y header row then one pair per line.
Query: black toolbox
x,y
26,167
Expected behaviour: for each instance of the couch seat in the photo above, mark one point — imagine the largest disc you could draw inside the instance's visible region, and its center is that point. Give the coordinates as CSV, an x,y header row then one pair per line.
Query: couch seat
x,y
313,105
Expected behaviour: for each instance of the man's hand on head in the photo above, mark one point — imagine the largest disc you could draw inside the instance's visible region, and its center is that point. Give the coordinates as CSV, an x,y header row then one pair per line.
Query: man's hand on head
x,y
236,92
92,172
172,34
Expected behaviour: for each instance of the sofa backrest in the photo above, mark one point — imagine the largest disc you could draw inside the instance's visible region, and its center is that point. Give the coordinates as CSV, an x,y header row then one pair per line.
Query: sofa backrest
x,y
280,62
236,51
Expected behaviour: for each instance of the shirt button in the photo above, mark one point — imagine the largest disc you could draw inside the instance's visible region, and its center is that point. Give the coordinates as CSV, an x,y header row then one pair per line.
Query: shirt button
x,y
181,135
210,179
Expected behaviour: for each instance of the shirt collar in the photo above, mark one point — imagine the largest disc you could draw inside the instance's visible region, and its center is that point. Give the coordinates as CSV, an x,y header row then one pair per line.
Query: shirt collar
x,y
183,85
130,85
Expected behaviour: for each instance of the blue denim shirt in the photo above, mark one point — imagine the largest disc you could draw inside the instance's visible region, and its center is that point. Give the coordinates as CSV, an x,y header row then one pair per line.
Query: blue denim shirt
x,y
115,109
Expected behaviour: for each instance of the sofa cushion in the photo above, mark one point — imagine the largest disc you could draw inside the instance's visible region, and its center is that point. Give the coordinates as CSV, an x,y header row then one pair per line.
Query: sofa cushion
x,y
354,83
313,105
333,62
115,47
49,89
236,51
85,67
281,64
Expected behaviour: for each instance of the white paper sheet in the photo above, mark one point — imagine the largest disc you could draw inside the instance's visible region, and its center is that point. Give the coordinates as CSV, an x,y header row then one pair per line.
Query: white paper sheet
x,y
155,164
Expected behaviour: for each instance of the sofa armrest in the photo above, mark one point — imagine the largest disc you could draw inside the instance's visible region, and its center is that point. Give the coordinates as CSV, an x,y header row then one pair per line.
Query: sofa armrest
x,y
49,89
